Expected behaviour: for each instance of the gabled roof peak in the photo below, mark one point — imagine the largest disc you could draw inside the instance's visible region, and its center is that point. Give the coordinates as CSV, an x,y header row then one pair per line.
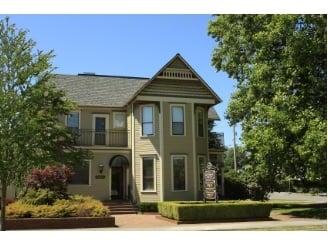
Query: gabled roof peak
x,y
188,66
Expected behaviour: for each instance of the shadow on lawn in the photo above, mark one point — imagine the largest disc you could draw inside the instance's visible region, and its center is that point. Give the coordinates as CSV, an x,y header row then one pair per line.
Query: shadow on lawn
x,y
313,213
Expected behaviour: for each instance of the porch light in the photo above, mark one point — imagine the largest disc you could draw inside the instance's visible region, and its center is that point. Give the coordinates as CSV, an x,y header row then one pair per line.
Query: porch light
x,y
100,168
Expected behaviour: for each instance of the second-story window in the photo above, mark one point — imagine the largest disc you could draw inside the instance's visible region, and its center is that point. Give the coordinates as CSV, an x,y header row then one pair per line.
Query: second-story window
x,y
73,120
177,118
147,115
119,120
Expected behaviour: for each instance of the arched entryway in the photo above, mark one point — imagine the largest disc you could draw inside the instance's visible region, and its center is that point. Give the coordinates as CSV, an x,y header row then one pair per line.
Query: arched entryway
x,y
118,174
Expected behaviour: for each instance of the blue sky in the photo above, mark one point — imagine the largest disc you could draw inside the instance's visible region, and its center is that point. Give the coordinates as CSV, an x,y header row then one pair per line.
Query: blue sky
x,y
133,45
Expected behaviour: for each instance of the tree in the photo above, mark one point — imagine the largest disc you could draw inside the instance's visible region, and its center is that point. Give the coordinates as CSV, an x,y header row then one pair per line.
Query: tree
x,y
279,63
213,137
229,161
30,132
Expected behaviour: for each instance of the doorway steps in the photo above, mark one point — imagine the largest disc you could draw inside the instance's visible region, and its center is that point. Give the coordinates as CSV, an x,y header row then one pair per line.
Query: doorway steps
x,y
121,207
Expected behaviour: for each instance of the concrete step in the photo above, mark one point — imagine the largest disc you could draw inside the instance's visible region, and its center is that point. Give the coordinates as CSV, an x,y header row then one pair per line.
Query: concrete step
x,y
121,207
118,205
123,212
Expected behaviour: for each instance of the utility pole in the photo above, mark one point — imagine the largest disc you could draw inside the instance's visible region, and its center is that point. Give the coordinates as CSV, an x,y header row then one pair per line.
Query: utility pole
x,y
234,147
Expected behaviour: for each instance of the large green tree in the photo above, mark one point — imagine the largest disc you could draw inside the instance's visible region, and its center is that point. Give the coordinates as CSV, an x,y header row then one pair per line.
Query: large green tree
x,y
30,133
279,63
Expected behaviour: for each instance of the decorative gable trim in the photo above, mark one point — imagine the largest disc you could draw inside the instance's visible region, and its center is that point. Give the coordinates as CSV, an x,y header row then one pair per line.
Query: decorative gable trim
x,y
178,73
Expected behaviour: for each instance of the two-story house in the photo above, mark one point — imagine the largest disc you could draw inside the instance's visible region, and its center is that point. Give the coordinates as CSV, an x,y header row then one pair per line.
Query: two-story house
x,y
148,135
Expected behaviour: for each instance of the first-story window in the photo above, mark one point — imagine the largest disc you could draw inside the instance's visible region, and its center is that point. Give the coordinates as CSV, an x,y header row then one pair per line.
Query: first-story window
x,y
147,118
201,166
73,120
179,173
81,174
148,174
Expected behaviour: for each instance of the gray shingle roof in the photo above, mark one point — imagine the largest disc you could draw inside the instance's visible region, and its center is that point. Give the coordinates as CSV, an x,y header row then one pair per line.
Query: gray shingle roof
x,y
106,91
212,114
91,90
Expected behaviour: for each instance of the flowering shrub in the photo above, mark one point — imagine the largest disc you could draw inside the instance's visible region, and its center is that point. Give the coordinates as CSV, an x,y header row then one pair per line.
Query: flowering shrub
x,y
54,178
75,206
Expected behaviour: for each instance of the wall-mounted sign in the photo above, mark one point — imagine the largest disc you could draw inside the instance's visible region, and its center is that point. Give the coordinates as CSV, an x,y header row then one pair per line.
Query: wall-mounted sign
x,y
210,182
100,176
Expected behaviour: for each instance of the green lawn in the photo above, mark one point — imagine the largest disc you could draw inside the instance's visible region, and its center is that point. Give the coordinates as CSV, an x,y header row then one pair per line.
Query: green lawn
x,y
311,212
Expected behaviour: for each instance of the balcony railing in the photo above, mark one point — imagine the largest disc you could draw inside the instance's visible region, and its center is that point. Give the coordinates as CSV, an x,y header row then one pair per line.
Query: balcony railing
x,y
109,138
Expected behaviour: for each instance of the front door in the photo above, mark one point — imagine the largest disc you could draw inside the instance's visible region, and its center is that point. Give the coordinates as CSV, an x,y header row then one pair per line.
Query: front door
x,y
117,183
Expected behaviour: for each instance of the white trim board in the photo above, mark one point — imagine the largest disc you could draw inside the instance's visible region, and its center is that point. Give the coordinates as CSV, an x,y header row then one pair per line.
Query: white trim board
x,y
176,99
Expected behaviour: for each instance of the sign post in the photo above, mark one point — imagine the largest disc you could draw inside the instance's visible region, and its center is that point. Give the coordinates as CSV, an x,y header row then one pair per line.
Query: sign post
x,y
210,183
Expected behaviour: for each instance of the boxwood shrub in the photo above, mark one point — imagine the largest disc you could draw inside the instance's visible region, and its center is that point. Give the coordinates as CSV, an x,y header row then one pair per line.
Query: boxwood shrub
x,y
148,207
185,211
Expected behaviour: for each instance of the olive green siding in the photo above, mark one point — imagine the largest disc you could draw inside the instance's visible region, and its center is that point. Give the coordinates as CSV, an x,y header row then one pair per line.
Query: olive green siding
x,y
177,88
201,143
146,146
177,145
99,188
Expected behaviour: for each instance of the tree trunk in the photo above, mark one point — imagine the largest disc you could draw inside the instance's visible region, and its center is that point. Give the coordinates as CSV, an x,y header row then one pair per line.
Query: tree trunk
x,y
3,205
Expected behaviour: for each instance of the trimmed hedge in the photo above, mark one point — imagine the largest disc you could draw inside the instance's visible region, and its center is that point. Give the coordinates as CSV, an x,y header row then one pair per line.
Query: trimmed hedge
x,y
186,211
148,207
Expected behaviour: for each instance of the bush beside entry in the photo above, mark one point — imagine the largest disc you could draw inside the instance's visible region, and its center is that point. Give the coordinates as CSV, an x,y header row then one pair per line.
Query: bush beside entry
x,y
148,207
185,211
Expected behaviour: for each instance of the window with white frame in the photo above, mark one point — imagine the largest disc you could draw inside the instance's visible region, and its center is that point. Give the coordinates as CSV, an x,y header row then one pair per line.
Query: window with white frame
x,y
148,174
81,174
147,118
119,120
179,173
177,120
73,120
200,122
201,166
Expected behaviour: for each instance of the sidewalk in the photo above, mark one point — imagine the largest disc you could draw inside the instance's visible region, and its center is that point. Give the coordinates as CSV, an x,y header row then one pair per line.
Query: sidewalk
x,y
149,222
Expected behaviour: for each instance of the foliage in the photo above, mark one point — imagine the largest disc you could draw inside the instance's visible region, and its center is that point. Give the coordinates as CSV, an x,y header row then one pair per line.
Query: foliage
x,y
214,211
52,177
256,178
148,207
213,139
248,183
235,186
280,65
76,206
229,158
30,132
39,197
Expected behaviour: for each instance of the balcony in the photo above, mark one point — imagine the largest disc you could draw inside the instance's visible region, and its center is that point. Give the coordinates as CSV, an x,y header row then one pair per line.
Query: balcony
x,y
108,138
